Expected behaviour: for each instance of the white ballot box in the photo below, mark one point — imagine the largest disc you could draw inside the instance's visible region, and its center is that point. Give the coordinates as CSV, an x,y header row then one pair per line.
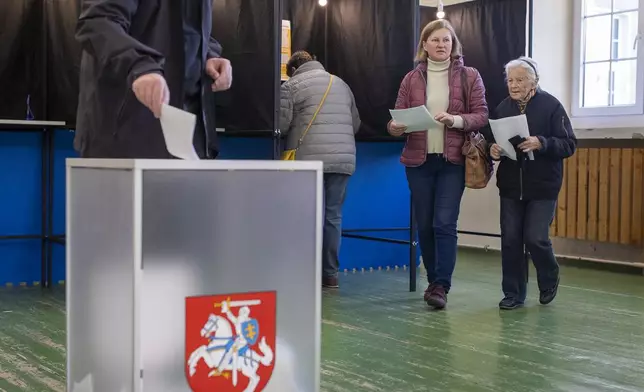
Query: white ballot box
x,y
193,275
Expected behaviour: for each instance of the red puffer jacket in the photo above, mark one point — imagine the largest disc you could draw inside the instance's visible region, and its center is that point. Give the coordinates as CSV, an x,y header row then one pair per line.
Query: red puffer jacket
x,y
413,92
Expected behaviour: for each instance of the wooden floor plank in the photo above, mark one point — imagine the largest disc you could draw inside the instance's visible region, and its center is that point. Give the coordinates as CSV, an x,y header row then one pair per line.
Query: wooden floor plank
x,y
376,336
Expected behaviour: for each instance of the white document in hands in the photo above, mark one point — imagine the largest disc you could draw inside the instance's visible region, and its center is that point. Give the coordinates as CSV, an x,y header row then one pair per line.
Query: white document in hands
x,y
416,119
505,129
178,130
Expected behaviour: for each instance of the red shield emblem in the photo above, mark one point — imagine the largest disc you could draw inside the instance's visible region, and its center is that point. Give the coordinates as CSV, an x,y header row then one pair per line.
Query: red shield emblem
x,y
230,341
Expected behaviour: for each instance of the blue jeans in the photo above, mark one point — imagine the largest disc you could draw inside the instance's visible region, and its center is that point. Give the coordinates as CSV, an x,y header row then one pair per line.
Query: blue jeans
x,y
527,222
335,190
436,189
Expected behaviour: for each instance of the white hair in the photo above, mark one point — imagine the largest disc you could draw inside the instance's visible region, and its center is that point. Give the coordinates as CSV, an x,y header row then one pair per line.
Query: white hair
x,y
526,63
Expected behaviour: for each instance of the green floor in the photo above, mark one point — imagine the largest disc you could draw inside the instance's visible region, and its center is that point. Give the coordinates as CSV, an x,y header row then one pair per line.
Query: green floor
x,y
379,337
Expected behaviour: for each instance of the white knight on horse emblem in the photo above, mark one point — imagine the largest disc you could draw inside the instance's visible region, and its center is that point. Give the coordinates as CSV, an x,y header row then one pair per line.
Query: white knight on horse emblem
x,y
231,342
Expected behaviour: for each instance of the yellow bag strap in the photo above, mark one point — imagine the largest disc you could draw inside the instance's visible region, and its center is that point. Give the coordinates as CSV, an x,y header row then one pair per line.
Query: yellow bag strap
x,y
299,143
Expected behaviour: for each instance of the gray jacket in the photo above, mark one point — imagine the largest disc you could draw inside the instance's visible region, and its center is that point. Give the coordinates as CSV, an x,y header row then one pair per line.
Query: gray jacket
x,y
331,138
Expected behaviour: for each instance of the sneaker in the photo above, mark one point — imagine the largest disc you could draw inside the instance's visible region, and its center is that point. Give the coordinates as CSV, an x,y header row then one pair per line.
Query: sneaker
x,y
547,296
437,297
510,303
330,282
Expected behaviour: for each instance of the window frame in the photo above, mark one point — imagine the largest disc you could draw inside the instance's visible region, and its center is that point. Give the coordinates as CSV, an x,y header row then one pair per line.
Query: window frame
x,y
592,115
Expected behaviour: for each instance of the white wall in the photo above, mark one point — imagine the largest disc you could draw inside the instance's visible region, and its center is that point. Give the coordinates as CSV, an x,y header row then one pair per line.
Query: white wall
x,y
553,29
552,47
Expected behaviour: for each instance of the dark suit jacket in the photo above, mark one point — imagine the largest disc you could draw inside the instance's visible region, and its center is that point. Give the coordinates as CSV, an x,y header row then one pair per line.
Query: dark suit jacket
x,y
122,40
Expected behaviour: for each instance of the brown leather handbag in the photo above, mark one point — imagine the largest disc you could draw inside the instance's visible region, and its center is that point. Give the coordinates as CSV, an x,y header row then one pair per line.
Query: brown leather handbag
x,y
479,168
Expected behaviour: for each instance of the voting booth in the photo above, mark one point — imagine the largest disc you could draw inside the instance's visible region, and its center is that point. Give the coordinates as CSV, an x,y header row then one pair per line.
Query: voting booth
x,y
193,275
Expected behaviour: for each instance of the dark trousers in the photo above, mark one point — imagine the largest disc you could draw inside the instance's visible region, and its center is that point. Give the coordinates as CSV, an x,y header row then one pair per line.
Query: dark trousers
x,y
436,189
527,222
335,190
192,104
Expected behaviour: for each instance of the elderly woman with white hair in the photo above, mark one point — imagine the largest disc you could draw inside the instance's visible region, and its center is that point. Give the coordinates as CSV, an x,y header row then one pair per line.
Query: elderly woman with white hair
x,y
529,188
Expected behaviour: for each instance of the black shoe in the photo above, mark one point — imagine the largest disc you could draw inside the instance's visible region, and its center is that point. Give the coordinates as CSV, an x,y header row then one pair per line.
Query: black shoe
x,y
330,282
547,296
509,303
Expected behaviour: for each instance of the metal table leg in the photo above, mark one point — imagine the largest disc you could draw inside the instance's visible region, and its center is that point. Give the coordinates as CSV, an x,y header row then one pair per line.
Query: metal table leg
x,y
44,209
50,203
412,249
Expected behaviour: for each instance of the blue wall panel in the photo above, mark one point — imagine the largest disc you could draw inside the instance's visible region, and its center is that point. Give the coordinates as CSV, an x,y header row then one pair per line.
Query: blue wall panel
x,y
20,206
245,148
377,197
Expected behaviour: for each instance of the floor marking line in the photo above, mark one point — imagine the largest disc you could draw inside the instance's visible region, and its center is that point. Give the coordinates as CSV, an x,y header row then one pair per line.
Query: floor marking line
x,y
603,292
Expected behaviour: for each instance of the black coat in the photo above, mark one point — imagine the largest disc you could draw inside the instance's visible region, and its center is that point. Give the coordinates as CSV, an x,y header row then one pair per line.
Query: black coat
x,y
541,178
122,40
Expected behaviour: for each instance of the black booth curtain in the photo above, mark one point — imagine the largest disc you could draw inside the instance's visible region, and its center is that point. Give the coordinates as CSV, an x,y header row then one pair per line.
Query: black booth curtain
x,y
21,59
244,28
371,47
63,60
370,44
307,26
492,32
39,60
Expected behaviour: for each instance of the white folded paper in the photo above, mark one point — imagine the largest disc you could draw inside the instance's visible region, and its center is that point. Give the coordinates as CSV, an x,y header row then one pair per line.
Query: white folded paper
x,y
416,119
505,129
178,130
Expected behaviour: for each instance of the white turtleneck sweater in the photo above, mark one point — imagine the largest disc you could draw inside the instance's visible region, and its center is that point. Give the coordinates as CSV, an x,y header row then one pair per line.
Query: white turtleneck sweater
x,y
438,102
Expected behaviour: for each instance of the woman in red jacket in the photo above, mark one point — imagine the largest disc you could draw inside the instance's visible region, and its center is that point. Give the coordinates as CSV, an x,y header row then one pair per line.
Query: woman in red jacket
x,y
434,162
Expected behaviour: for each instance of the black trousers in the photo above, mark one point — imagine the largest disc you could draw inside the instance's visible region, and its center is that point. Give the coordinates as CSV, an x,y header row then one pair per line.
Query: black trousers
x,y
527,222
192,104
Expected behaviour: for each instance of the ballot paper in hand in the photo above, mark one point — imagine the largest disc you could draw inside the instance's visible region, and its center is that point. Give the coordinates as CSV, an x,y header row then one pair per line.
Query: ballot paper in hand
x,y
416,119
505,129
178,130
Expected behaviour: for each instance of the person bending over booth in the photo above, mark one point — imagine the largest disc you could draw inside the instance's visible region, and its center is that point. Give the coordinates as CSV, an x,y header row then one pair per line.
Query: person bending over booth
x,y
136,56
434,161
320,119
529,188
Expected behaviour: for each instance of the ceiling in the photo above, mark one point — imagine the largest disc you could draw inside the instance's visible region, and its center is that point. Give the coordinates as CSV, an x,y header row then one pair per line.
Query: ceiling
x,y
434,3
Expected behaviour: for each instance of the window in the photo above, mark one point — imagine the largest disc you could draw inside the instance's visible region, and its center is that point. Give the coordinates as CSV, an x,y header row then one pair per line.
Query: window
x,y
608,57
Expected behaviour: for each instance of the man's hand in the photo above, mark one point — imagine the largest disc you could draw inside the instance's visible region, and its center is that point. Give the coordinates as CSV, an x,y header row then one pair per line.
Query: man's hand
x,y
445,118
532,143
221,72
496,151
396,129
152,91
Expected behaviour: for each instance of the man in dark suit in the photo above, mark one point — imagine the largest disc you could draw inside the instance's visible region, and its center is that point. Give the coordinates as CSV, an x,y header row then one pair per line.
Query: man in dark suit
x,y
136,56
